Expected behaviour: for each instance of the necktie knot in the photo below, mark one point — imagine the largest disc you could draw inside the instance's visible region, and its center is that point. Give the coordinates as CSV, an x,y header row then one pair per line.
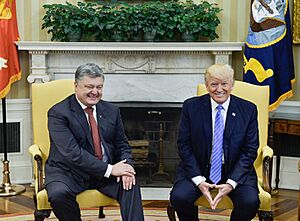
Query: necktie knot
x,y
89,110
219,107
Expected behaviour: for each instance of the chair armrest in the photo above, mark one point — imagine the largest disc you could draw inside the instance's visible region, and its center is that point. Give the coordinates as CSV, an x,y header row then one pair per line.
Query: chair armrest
x,y
267,154
34,150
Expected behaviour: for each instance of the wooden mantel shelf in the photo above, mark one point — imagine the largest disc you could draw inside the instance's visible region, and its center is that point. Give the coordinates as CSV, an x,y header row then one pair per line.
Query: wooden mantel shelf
x,y
131,46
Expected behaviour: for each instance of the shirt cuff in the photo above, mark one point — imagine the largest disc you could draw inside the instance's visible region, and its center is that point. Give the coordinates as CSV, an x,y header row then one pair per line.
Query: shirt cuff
x,y
108,171
198,179
232,183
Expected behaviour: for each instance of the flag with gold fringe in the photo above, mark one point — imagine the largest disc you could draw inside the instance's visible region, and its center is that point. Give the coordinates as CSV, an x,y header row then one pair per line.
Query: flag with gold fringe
x,y
268,55
9,61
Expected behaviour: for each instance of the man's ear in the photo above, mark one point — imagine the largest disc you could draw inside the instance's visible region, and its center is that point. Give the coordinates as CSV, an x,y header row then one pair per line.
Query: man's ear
x,y
206,86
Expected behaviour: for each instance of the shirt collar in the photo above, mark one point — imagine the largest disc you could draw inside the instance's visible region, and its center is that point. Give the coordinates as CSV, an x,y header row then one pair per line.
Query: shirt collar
x,y
215,104
82,105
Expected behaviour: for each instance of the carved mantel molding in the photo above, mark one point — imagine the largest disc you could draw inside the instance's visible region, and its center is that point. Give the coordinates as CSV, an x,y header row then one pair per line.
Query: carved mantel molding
x,y
130,46
139,62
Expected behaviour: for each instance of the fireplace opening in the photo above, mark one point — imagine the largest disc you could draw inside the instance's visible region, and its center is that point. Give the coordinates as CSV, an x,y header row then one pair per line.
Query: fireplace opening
x,y
152,133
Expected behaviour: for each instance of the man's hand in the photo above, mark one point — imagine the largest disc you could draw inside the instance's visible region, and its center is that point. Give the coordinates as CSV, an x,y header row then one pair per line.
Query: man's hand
x,y
122,169
204,188
224,189
128,182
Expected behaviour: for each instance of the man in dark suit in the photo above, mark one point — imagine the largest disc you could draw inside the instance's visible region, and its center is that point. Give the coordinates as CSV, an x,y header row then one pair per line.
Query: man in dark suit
x,y
84,156
217,119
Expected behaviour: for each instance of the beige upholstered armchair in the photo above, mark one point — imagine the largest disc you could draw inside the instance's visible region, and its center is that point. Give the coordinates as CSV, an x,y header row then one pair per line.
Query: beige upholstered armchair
x,y
44,96
259,95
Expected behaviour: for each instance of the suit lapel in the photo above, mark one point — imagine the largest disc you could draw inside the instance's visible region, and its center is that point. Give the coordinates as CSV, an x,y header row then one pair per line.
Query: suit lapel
x,y
102,125
206,118
101,118
81,117
231,117
230,124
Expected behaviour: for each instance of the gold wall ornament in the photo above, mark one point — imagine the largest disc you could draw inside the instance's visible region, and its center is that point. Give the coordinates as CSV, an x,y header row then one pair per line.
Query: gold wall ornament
x,y
296,22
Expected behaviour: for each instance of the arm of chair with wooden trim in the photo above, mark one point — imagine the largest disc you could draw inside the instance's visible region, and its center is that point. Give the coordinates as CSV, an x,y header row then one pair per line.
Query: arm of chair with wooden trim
x,y
267,154
36,154
38,166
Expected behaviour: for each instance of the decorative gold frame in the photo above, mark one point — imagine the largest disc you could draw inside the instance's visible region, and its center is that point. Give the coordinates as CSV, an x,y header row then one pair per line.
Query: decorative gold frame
x,y
296,22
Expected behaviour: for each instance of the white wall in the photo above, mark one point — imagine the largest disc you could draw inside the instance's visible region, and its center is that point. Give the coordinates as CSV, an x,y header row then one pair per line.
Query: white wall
x,y
19,110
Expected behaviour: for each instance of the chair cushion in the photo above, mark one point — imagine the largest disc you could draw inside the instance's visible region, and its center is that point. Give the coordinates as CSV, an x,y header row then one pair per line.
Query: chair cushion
x,y
225,203
86,199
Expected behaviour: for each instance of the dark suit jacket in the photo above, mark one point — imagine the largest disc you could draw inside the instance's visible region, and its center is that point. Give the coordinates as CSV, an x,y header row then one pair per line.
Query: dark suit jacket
x,y
240,139
71,159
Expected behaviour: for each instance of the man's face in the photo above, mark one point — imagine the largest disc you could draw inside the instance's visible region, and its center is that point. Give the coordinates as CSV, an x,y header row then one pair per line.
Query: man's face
x,y
89,90
218,89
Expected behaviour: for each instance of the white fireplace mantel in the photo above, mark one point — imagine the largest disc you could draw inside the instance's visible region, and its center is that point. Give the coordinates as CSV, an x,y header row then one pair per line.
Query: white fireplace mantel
x,y
131,46
136,71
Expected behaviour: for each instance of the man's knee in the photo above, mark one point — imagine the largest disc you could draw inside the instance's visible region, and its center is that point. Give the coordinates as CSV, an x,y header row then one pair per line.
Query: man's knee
x,y
245,197
250,203
253,202
180,199
136,187
184,194
59,192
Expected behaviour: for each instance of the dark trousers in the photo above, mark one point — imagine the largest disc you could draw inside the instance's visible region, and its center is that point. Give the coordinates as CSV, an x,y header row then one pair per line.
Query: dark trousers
x,y
184,194
65,207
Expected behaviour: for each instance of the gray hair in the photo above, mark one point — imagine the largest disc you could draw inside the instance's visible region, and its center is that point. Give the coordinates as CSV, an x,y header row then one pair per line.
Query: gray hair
x,y
90,69
219,71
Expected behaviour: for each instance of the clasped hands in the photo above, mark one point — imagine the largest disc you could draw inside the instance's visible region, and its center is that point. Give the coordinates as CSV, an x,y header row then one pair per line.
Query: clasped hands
x,y
126,172
223,190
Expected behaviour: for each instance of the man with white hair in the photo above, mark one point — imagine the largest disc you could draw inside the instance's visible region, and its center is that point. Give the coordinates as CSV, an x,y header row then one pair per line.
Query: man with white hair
x,y
217,144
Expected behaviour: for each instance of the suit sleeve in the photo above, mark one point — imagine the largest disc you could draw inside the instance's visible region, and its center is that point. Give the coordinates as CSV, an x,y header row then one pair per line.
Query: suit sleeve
x,y
248,151
184,142
63,139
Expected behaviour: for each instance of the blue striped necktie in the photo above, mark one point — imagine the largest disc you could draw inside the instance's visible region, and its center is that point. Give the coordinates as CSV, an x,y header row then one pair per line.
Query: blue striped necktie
x,y
217,151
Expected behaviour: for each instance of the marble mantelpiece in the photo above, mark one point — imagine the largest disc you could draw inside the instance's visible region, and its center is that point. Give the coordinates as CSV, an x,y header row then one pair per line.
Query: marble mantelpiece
x,y
135,71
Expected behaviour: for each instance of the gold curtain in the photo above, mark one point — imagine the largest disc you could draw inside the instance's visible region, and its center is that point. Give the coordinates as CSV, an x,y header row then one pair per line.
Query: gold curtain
x,y
296,22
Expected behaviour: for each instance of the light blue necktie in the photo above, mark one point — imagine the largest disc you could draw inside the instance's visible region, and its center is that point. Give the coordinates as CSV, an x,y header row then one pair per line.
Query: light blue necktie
x,y
217,151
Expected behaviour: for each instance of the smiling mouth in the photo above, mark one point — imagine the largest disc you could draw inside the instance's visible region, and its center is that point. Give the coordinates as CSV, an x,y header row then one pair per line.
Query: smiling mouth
x,y
93,98
220,95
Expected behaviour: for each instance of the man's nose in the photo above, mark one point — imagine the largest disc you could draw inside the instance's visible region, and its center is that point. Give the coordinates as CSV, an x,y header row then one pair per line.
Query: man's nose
x,y
219,87
94,90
